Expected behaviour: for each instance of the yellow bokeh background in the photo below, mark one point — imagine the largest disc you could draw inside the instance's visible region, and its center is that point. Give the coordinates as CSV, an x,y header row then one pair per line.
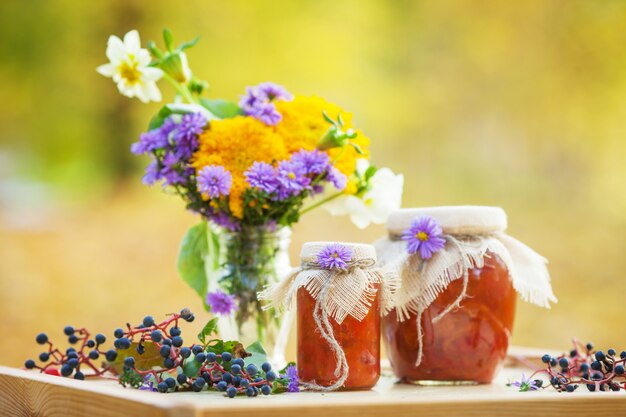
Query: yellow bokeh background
x,y
515,104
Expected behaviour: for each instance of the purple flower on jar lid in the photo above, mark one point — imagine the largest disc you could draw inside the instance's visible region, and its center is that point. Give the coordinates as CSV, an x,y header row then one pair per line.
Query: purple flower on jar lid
x,y
221,303
334,256
214,181
424,236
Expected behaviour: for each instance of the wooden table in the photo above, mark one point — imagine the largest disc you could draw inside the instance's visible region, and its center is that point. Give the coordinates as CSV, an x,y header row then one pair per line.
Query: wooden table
x,y
28,393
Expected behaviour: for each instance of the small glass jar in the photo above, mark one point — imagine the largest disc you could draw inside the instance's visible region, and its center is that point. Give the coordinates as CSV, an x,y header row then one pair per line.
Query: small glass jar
x,y
455,310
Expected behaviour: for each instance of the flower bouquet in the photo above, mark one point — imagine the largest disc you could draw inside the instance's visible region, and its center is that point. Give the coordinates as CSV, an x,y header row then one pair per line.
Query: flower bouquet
x,y
250,169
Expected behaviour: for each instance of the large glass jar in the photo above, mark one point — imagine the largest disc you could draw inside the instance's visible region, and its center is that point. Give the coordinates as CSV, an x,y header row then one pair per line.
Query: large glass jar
x,y
360,341
466,344
454,310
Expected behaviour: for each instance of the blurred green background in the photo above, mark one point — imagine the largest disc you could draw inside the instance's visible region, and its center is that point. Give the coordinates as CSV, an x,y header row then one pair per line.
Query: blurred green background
x,y
516,104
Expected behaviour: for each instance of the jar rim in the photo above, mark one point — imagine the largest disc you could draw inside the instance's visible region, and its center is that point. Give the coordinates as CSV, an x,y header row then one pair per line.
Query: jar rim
x,y
452,219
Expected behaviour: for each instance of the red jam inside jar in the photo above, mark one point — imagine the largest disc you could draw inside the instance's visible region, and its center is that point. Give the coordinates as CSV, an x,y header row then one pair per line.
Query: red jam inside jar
x,y
468,344
360,341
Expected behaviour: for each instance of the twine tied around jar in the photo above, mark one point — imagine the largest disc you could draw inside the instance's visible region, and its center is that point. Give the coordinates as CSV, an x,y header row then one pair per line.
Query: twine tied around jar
x,y
468,235
344,281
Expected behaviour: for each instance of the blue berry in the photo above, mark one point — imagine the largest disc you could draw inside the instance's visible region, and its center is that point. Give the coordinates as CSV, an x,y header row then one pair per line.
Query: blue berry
x,y
200,357
124,343
608,367
623,354
591,387
181,378
553,362
118,333
222,385
266,390
231,392
177,341
140,349
29,364
79,375
167,342
237,380
66,370
129,362
244,383
73,362
554,381
227,377
238,361
100,338
564,363
589,346
611,352
44,356
148,321
171,382
619,369
175,331
226,357
169,363
596,366
235,369
259,379
185,352
266,367
196,349
200,382
110,355
162,387
207,377
73,339
256,391
72,355
250,392
252,370
94,355
573,353
584,367
68,330
165,351
211,357
600,356
70,350
570,388
42,338
156,336
271,376
90,344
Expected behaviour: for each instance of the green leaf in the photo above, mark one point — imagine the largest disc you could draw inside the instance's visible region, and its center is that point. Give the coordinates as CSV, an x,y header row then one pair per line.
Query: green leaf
x,y
369,173
191,258
168,39
209,329
259,355
357,148
340,120
223,109
186,45
149,359
327,118
160,117
191,366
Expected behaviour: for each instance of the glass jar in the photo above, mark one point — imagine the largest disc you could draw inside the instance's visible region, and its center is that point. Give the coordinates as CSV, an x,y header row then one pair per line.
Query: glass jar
x,y
454,311
360,341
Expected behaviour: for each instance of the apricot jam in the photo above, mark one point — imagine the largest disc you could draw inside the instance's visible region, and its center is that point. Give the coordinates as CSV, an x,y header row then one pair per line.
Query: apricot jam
x,y
360,341
467,344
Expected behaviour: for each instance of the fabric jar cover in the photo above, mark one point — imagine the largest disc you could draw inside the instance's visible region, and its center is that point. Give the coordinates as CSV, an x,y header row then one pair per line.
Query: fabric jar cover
x,y
338,293
470,233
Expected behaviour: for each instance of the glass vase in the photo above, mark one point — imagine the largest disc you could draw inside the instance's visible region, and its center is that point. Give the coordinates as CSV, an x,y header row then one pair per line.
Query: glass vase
x,y
249,260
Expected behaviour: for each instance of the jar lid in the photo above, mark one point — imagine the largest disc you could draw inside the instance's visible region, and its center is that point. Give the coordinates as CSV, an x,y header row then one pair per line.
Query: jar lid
x,y
360,251
454,220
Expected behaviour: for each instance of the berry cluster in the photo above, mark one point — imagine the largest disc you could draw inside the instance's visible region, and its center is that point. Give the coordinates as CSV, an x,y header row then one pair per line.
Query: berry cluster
x,y
152,356
595,369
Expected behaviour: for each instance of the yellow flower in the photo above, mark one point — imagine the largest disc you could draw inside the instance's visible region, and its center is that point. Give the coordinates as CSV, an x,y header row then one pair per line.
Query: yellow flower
x,y
235,144
302,127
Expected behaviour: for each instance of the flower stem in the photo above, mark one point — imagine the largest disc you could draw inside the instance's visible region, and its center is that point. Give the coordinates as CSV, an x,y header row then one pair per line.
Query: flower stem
x,y
321,202
182,89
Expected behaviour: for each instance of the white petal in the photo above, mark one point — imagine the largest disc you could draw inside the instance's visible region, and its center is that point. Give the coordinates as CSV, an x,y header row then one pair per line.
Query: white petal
x,y
151,91
143,57
115,49
152,74
108,70
132,42
361,166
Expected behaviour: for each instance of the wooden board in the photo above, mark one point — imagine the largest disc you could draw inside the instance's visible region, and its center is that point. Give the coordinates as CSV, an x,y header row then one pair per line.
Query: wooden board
x,y
28,393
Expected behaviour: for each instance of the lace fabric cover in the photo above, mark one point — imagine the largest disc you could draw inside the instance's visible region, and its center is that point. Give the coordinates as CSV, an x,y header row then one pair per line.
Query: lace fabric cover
x,y
350,291
470,233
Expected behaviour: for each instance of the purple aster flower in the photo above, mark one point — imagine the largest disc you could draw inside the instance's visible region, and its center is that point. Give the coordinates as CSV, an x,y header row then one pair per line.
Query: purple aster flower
x,y
314,162
149,141
221,303
271,91
250,100
266,113
152,174
262,175
170,171
337,178
425,236
148,384
214,181
334,256
186,134
525,384
292,373
292,179
225,221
